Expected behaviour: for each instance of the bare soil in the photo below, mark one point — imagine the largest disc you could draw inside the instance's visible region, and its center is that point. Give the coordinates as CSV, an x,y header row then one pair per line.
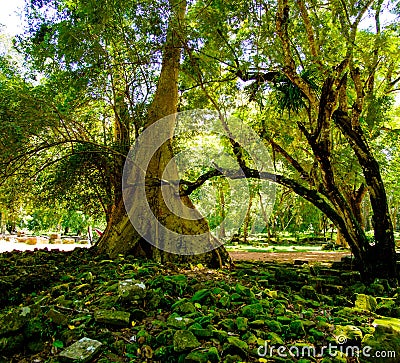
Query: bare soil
x,y
311,257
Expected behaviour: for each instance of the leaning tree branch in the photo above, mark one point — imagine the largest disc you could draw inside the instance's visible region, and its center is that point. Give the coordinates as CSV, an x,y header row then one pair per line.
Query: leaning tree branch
x,y
311,195
303,173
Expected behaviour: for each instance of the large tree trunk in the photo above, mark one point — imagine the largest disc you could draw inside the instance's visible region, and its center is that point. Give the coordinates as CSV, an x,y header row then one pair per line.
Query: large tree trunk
x,y
379,260
172,221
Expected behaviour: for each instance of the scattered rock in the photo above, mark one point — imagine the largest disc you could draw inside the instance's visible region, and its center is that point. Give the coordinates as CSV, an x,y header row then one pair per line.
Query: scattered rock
x,y
252,310
309,292
131,290
365,302
84,350
112,317
385,339
235,346
197,357
185,340
57,317
15,320
213,311
348,334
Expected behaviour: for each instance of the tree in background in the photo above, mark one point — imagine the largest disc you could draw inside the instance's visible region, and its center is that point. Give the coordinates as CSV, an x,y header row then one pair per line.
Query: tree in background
x,y
315,84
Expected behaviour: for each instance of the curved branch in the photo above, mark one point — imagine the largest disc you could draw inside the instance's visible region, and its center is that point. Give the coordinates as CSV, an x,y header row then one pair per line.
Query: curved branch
x,y
282,23
309,30
313,196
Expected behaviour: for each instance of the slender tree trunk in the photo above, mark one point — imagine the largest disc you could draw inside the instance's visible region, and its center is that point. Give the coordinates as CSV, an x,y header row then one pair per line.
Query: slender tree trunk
x,y
265,218
120,237
247,219
222,232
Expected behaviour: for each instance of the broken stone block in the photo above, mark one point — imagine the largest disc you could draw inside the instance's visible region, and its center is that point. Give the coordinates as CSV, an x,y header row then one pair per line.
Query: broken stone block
x,y
347,333
131,290
185,340
57,317
84,350
55,236
119,318
15,320
31,240
385,339
68,241
365,302
55,241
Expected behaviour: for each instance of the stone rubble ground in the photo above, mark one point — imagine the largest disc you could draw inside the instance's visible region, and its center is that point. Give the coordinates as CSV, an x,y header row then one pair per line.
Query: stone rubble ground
x,y
130,310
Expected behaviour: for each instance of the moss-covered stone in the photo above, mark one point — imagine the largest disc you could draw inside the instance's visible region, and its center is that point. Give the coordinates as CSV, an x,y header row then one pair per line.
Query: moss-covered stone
x,y
279,309
284,320
131,291
228,324
175,321
220,335
274,339
316,334
213,355
365,302
57,317
200,332
376,289
82,351
257,323
249,338
197,357
274,325
385,306
252,310
201,295
351,333
386,338
297,328
241,323
309,292
184,340
235,346
243,290
112,317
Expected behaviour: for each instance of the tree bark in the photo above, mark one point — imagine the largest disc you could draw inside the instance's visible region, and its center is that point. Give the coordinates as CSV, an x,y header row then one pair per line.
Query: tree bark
x,y
247,220
120,237
221,194
379,259
265,217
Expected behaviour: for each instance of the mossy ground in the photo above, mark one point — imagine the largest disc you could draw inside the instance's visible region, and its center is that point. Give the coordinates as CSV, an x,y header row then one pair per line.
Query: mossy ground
x,y
187,314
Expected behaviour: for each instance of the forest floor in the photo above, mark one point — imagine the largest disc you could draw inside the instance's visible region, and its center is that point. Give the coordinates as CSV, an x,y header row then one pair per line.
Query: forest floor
x,y
79,307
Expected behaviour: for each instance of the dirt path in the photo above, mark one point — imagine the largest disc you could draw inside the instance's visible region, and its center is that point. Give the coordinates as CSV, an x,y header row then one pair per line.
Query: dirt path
x,y
314,256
